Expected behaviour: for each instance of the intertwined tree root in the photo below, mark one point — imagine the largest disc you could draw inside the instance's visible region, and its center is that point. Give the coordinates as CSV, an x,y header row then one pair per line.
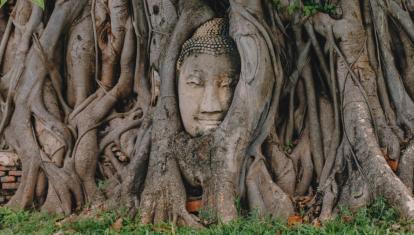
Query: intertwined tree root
x,y
323,112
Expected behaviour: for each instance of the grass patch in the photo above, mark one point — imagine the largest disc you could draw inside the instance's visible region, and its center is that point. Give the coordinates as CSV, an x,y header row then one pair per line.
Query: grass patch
x,y
379,218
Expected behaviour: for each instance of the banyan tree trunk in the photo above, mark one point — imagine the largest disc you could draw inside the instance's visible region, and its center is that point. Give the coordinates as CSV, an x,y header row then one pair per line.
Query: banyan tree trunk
x,y
322,110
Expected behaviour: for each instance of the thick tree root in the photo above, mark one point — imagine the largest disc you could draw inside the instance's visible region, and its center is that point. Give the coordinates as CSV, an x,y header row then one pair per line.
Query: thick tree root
x,y
322,106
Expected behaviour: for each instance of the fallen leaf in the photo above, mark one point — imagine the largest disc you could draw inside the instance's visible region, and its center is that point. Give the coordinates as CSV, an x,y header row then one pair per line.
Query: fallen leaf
x,y
393,164
316,223
347,218
117,225
194,206
294,220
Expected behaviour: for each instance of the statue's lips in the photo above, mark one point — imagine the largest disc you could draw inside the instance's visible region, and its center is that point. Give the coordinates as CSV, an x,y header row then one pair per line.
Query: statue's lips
x,y
209,122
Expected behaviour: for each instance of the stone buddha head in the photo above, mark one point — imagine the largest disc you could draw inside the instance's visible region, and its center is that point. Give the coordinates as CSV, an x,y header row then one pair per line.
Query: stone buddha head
x,y
208,71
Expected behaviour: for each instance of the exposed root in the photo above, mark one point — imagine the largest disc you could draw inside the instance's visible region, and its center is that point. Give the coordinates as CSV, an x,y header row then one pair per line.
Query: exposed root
x,y
321,104
406,167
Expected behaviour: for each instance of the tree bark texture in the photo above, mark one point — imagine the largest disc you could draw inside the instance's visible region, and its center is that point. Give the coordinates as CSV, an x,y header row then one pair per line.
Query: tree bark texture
x,y
322,111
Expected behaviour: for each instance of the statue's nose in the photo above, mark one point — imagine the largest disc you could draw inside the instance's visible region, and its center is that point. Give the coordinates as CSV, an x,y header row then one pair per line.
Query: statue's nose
x,y
210,102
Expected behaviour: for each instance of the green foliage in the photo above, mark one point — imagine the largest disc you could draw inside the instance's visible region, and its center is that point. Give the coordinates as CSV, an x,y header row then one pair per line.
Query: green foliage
x,y
276,4
24,222
40,3
379,218
288,147
313,8
293,7
102,184
208,216
238,204
308,8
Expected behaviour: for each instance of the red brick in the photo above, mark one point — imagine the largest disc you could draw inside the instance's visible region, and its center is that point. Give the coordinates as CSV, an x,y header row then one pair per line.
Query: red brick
x,y
7,192
9,185
8,179
6,168
15,173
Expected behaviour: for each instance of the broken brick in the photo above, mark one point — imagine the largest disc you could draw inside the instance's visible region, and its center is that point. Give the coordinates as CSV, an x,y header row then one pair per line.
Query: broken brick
x,y
9,185
6,168
15,173
8,179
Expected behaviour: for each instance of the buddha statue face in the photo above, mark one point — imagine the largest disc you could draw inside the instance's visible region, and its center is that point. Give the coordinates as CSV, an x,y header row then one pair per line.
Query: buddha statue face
x,y
207,75
205,91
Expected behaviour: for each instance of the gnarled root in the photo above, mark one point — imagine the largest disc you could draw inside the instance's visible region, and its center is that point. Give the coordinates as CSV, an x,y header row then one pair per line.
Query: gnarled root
x,y
264,195
406,167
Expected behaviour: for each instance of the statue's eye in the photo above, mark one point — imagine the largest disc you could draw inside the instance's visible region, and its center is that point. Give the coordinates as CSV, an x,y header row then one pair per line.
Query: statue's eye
x,y
194,81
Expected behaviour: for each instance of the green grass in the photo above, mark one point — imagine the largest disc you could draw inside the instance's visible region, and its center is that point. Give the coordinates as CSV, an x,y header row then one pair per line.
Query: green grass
x,y
377,219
